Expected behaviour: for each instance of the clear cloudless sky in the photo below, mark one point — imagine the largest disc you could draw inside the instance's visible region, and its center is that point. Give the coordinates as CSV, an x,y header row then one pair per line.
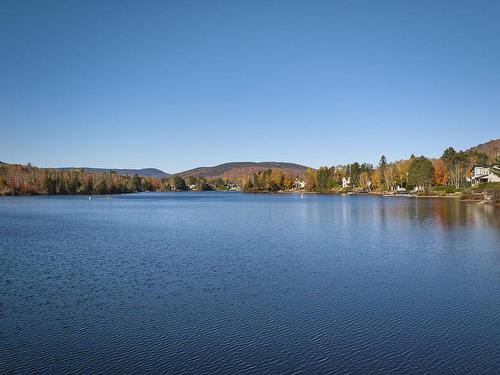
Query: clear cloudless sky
x,y
180,84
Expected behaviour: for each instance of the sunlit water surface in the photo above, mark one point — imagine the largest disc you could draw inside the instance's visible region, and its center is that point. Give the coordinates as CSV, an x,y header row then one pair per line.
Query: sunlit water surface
x,y
233,283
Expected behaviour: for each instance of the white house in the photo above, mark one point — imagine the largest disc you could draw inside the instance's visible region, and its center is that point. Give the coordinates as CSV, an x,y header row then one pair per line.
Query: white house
x,y
299,184
485,174
232,186
346,182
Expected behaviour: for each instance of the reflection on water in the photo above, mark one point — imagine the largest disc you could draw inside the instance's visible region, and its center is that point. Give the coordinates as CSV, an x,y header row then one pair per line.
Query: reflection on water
x,y
235,283
442,212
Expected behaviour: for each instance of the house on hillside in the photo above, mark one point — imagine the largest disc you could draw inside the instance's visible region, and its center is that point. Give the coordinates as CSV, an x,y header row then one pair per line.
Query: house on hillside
x,y
485,174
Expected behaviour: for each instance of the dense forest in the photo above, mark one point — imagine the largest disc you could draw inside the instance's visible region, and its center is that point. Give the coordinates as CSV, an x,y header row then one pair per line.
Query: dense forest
x,y
447,174
16,179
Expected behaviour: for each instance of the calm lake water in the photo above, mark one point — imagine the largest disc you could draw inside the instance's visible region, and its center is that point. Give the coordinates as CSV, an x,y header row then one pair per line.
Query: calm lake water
x,y
233,283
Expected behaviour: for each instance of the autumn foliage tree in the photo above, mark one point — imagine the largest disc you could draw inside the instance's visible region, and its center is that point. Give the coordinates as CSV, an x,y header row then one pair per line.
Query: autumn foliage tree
x,y
440,172
26,179
268,180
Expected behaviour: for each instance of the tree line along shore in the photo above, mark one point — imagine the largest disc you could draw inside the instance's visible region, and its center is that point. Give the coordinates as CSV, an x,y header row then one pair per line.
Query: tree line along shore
x,y
444,176
17,179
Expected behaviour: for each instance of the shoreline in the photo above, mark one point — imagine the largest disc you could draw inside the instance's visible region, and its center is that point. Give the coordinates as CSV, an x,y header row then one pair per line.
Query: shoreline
x,y
379,194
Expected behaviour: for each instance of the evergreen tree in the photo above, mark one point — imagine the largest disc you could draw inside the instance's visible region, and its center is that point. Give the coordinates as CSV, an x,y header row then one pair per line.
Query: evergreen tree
x,y
382,165
102,187
89,186
61,185
49,184
147,186
73,184
202,185
219,184
325,179
421,172
249,185
136,183
179,183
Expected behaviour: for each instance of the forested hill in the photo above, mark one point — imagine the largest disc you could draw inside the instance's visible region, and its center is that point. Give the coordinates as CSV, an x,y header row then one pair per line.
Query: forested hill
x,y
145,172
491,148
244,169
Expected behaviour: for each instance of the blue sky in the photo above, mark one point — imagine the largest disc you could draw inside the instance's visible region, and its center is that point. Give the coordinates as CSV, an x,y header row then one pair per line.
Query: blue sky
x,y
180,84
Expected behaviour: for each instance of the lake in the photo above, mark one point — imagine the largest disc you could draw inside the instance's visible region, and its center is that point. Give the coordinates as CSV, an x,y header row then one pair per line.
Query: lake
x,y
248,283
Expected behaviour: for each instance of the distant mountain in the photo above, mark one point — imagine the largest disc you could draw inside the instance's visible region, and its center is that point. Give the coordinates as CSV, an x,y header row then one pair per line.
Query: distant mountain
x,y
145,172
244,169
491,148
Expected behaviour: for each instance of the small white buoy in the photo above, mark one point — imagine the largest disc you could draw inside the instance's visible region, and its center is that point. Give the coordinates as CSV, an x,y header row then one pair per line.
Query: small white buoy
x,y
90,197
301,195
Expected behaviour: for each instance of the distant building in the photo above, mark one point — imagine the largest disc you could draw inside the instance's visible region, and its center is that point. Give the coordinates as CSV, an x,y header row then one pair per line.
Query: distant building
x,y
299,184
231,186
485,174
346,182
417,189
